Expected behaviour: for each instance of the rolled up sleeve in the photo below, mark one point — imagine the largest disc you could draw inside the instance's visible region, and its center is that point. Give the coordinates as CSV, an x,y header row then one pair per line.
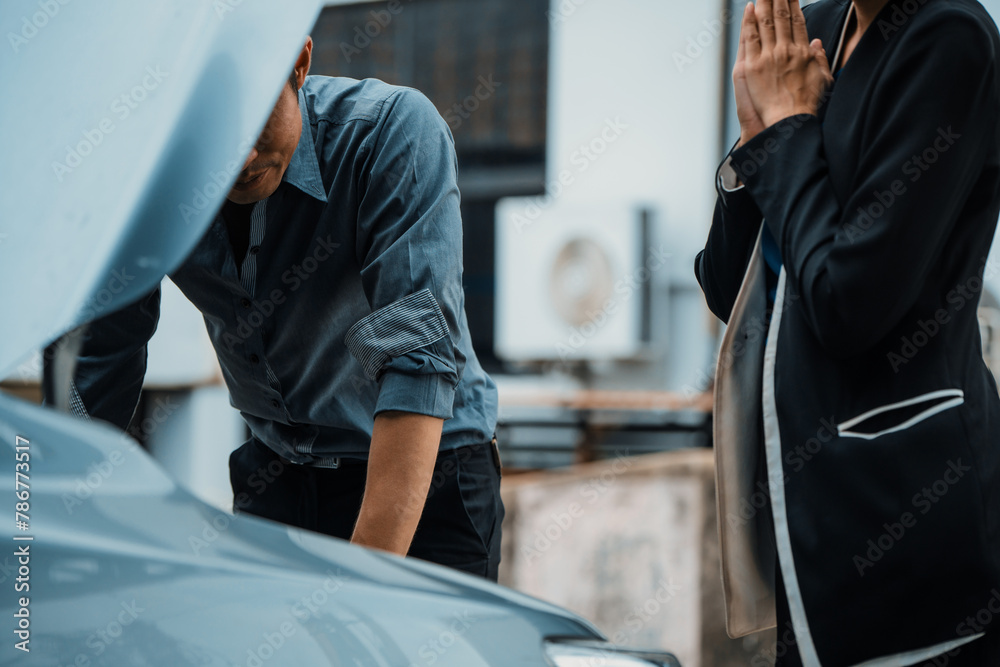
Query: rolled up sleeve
x,y
409,246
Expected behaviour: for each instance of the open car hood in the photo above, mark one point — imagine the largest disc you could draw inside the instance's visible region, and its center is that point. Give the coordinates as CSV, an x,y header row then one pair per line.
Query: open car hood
x,y
124,125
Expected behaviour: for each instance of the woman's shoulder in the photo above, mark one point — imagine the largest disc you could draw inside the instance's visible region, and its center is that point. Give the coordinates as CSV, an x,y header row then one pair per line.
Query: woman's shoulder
x,y
960,25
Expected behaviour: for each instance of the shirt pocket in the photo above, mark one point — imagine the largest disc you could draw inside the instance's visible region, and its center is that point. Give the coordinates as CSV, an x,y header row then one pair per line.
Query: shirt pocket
x,y
900,416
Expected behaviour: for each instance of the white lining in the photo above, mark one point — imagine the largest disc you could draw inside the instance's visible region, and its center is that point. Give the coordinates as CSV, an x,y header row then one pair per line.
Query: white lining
x,y
775,469
776,485
959,398
920,655
840,44
729,180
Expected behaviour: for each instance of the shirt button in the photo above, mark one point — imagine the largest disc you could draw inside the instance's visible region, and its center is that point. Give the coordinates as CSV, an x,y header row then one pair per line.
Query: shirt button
x,y
245,303
275,403
254,250
254,359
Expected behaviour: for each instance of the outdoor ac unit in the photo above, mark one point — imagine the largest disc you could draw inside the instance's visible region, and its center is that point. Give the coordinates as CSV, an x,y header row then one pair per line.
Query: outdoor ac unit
x,y
573,280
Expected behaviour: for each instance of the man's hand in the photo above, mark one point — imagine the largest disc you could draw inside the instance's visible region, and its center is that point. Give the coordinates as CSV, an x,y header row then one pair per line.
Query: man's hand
x,y
785,73
400,466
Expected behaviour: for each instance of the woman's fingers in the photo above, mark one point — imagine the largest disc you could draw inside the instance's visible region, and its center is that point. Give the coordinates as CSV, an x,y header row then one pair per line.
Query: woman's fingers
x,y
782,22
819,55
750,123
749,33
741,50
764,13
799,32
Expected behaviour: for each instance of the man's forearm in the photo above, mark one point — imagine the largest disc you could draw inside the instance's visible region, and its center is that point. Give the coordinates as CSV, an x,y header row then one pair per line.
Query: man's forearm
x,y
400,466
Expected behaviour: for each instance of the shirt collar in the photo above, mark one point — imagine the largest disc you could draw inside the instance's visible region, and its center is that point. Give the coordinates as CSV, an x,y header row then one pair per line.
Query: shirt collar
x,y
303,170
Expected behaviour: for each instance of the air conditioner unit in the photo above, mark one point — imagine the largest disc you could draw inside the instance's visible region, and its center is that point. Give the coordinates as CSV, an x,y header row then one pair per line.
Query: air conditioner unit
x,y
573,280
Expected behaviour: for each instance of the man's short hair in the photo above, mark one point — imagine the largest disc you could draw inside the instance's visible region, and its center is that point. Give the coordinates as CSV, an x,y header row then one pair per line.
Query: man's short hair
x,y
293,81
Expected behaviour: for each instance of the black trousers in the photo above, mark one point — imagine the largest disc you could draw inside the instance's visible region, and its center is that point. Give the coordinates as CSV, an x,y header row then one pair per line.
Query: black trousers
x,y
459,527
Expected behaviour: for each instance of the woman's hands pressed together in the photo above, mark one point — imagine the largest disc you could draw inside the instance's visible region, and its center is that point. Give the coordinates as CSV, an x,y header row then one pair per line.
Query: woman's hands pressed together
x,y
779,72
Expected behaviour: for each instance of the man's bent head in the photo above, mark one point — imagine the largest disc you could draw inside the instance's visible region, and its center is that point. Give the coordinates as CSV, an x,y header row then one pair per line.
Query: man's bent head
x,y
270,156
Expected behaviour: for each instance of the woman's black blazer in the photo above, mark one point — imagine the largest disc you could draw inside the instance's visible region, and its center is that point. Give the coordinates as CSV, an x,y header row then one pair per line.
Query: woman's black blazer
x,y
881,421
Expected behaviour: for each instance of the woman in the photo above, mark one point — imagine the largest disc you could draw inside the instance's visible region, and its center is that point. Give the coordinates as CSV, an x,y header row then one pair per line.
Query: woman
x,y
853,220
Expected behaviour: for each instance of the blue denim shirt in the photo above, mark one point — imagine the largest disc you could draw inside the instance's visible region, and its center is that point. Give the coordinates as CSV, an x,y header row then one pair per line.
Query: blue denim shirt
x,y
349,301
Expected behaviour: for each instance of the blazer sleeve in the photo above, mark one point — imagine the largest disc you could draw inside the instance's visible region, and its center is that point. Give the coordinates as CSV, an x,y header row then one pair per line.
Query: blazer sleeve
x,y
721,266
859,265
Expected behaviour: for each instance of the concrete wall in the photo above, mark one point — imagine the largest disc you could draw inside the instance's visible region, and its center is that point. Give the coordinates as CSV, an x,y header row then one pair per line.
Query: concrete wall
x,y
632,545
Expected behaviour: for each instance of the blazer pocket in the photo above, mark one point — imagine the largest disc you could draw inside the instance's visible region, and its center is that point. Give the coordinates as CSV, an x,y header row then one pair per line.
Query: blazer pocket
x,y
932,403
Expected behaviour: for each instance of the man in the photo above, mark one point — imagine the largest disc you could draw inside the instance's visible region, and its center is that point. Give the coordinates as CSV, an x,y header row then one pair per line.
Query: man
x,y
331,288
857,450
